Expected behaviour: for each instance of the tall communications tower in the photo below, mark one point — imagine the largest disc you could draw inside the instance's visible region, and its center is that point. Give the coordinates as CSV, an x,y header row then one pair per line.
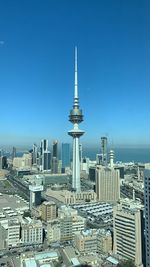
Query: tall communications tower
x,y
76,117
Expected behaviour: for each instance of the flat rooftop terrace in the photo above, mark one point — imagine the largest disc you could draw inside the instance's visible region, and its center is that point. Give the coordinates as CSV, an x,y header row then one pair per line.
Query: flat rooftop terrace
x,y
12,206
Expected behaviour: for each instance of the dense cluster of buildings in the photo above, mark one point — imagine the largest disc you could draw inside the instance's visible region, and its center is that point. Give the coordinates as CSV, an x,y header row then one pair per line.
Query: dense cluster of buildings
x,y
93,217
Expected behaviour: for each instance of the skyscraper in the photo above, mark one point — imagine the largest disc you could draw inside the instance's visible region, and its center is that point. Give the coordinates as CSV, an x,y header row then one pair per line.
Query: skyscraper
x,y
65,155
76,117
45,156
147,214
107,184
55,149
55,157
13,152
34,154
104,150
127,234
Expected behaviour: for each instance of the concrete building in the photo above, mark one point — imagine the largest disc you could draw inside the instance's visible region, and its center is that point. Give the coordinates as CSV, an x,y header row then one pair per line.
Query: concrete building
x,y
48,211
104,242
76,117
10,233
127,234
24,161
68,197
53,232
107,184
70,223
41,259
35,195
86,241
31,231
147,214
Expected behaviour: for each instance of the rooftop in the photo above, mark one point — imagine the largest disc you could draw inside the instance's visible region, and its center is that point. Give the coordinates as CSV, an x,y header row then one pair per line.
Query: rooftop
x,y
12,206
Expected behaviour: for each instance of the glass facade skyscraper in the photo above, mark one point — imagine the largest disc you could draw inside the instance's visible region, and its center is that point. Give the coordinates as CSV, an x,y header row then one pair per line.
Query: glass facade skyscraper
x,y
65,155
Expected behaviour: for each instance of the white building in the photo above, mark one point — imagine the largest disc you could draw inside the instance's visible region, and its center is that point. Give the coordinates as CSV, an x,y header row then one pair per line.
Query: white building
x,y
32,231
10,233
127,234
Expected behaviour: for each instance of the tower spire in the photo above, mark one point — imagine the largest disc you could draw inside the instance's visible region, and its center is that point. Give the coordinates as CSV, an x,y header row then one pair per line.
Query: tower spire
x,y
76,98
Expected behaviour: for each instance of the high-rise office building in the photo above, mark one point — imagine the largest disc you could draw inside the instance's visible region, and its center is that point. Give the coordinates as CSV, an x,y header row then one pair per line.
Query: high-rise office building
x,y
13,152
76,117
44,146
45,156
107,184
46,161
65,155
4,162
55,149
55,157
147,214
104,150
34,154
127,235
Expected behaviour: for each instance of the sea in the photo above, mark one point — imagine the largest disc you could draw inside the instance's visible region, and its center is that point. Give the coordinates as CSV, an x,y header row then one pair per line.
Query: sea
x,y
141,155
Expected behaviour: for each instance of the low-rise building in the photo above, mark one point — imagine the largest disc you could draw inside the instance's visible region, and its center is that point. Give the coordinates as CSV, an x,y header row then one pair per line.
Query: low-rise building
x,y
53,232
86,241
10,233
104,242
31,231
42,259
68,197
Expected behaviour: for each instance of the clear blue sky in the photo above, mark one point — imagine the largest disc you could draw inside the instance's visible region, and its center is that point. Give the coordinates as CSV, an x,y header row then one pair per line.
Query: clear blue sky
x,y
37,39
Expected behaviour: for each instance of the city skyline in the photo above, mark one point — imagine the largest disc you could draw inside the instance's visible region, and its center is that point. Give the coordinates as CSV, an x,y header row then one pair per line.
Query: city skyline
x,y
37,70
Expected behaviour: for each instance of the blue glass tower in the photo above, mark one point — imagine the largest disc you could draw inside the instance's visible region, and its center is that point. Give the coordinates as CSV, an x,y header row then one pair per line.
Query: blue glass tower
x,y
65,155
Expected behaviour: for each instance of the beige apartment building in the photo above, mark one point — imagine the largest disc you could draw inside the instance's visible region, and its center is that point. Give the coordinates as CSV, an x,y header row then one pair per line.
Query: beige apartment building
x,y
53,232
48,211
70,223
107,184
86,241
104,242
24,161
